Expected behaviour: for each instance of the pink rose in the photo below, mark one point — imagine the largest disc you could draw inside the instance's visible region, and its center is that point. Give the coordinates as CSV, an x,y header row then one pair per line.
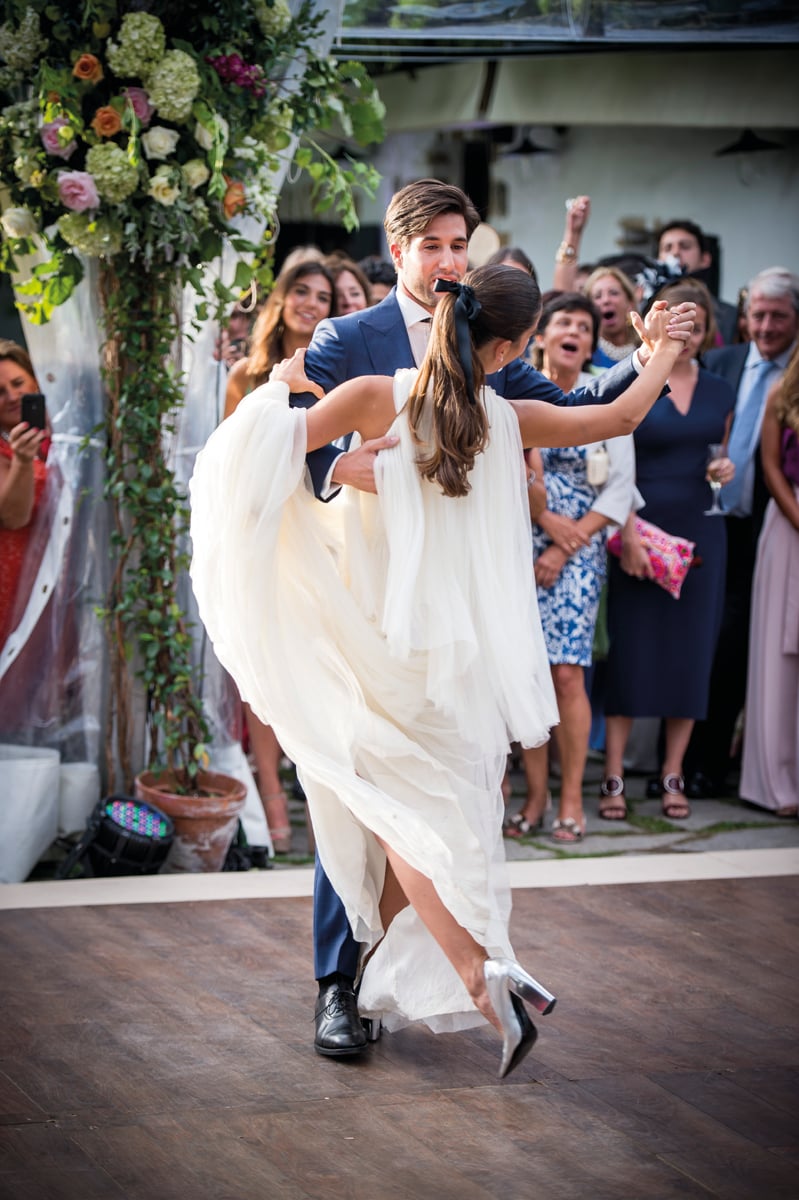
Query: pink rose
x,y
51,141
139,101
77,190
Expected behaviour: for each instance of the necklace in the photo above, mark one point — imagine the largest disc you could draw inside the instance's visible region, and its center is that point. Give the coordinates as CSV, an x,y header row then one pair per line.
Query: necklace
x,y
617,353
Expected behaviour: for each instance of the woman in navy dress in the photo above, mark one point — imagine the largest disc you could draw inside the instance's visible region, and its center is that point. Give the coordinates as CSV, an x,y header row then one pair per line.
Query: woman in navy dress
x,y
661,649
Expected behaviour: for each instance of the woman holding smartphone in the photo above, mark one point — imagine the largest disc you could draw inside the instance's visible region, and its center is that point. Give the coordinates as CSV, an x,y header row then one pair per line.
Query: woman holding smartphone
x,y
22,473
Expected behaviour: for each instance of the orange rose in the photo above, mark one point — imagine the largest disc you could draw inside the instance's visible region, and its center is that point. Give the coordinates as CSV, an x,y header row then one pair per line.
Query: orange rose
x,y
235,198
106,121
88,69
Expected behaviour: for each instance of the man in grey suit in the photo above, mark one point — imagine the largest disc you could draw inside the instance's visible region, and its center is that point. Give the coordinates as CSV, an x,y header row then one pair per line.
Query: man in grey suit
x,y
772,316
428,225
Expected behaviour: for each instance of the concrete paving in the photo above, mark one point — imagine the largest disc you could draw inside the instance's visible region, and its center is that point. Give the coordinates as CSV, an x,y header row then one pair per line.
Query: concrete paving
x,y
715,825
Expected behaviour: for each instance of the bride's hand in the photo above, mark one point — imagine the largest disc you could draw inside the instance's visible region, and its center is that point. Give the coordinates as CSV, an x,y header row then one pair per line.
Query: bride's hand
x,y
292,371
663,325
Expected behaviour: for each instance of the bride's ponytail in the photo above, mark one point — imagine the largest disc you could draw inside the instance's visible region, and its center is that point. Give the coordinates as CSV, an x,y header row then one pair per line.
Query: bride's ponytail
x,y
446,414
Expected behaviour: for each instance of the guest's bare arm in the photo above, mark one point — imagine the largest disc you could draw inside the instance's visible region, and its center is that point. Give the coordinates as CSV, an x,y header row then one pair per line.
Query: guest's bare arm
x,y
365,405
544,424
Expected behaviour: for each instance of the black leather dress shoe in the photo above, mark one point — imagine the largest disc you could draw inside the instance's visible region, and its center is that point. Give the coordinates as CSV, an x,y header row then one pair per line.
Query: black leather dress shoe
x,y
338,1026
703,787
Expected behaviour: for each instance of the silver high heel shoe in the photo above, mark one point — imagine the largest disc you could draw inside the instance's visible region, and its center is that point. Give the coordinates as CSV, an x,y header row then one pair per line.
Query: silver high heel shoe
x,y
507,985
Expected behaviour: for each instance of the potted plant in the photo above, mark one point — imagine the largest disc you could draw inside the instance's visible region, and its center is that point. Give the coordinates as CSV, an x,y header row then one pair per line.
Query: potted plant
x,y
134,144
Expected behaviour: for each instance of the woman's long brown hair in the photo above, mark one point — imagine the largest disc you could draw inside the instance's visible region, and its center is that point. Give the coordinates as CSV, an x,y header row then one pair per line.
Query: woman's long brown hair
x,y
449,430
266,343
788,402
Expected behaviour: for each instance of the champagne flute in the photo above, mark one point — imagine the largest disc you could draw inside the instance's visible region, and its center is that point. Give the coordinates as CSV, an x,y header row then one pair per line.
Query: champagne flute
x,y
715,451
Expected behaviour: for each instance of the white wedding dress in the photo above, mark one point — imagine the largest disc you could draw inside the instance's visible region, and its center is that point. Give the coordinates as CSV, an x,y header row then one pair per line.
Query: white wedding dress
x,y
394,644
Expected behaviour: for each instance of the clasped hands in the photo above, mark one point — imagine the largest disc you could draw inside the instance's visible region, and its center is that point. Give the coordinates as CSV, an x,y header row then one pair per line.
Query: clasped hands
x,y
676,323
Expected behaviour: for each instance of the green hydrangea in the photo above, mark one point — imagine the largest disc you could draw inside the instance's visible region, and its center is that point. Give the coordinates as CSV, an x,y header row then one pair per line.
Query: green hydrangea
x,y
141,46
114,176
20,47
98,237
274,19
275,130
173,85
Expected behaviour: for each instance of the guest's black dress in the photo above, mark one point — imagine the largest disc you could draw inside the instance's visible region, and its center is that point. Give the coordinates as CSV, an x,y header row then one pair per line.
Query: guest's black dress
x,y
661,649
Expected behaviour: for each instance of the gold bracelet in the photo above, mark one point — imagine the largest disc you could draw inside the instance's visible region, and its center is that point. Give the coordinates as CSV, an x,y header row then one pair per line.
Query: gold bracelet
x,y
566,253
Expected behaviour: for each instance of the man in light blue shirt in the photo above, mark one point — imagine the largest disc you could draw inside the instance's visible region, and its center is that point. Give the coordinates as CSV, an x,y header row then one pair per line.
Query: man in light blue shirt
x,y
772,317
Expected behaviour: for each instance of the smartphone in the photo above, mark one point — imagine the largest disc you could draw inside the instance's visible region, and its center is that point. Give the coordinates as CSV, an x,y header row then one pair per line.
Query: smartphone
x,y
33,409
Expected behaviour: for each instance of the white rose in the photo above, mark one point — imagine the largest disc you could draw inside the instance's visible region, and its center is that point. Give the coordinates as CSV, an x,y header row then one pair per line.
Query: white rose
x,y
205,138
19,222
162,188
159,142
195,173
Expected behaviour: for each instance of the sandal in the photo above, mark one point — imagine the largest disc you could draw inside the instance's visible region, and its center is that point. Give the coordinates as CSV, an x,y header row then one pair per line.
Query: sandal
x,y
567,830
518,826
674,809
611,791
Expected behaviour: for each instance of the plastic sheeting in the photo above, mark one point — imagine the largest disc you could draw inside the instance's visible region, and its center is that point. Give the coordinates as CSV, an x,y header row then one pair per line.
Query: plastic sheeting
x,y
54,664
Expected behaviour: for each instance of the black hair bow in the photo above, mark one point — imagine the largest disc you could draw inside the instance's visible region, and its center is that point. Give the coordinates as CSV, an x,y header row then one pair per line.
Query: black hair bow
x,y
467,309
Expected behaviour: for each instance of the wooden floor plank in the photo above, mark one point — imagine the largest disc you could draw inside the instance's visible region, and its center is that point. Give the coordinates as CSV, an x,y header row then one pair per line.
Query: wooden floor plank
x,y
164,1053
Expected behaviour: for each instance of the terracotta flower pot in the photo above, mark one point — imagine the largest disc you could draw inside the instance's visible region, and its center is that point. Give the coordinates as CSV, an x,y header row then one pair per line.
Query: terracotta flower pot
x,y
205,824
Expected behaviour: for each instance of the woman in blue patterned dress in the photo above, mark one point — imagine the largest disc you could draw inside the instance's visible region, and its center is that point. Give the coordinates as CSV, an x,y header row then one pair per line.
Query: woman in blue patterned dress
x,y
588,487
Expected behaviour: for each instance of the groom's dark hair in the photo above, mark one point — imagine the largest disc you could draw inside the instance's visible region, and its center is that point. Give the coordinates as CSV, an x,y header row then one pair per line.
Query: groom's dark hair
x,y
413,207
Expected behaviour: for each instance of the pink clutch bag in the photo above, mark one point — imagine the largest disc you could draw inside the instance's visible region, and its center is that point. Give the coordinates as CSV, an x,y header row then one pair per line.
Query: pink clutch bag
x,y
670,556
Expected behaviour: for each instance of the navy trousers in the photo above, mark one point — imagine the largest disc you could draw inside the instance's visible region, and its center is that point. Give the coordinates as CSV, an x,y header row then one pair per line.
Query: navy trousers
x,y
335,949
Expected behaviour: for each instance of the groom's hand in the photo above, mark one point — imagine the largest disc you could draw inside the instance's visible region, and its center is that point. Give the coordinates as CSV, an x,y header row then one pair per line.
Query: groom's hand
x,y
356,468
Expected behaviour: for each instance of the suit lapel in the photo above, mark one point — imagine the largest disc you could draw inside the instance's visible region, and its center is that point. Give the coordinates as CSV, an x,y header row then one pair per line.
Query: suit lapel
x,y
385,338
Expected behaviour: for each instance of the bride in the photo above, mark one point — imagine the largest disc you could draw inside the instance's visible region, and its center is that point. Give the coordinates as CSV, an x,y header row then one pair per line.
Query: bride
x,y
393,640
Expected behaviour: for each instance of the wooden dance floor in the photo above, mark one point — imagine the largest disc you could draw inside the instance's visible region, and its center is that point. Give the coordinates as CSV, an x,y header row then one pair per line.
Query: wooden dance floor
x,y
163,1052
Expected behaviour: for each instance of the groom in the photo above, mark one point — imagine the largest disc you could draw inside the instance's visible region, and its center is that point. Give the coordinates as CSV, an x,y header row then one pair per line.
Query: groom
x,y
428,225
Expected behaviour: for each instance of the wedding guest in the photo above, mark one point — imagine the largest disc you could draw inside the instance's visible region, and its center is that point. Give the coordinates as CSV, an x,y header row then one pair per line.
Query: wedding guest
x,y
299,254
772,313
770,766
661,648
231,345
352,287
685,241
302,296
22,474
381,276
614,296
512,256
587,487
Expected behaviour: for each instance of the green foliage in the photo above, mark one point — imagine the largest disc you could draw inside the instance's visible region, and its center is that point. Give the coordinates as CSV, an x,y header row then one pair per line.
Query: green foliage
x,y
245,95
162,150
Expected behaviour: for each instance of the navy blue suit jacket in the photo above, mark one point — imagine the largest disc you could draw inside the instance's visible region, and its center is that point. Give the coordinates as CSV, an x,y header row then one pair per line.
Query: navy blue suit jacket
x,y
727,361
375,342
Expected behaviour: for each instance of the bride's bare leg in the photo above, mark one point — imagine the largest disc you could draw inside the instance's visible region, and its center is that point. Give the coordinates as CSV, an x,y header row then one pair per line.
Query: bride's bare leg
x,y
393,899
466,955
